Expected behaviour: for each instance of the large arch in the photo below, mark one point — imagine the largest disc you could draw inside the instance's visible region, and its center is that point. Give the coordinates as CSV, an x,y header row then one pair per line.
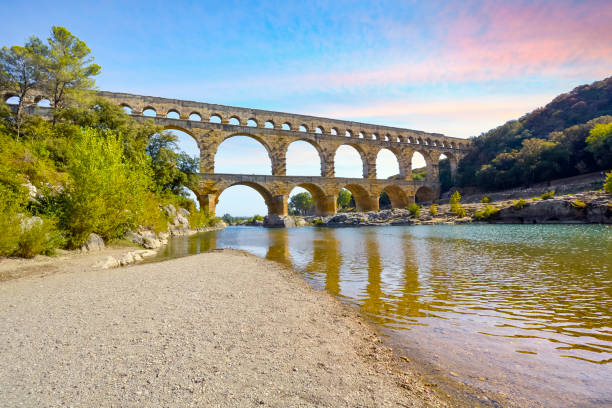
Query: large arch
x,y
231,156
363,199
341,168
424,194
303,169
268,198
387,164
324,204
418,164
399,199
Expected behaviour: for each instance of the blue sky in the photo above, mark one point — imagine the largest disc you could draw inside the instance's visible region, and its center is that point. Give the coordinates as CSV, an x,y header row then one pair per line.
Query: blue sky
x,y
458,68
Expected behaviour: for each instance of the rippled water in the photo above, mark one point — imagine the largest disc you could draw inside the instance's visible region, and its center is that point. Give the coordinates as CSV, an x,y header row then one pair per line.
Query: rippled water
x,y
523,312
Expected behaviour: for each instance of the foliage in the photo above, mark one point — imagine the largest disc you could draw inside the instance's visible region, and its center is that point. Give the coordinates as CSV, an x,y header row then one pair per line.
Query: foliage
x,y
302,203
107,193
446,180
518,204
344,198
547,143
69,67
599,143
485,199
455,204
608,184
257,217
414,209
172,170
487,213
433,209
21,70
419,174
548,195
578,204
39,237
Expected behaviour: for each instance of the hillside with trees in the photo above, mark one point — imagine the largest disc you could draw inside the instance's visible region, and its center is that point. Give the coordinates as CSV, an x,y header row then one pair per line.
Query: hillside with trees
x,y
87,167
569,136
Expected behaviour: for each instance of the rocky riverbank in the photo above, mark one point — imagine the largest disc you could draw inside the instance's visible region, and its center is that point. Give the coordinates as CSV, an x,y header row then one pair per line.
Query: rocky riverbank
x,y
583,208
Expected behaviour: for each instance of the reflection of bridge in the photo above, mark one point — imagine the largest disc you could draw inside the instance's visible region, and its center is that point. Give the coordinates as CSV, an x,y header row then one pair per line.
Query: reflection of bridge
x,y
211,124
276,131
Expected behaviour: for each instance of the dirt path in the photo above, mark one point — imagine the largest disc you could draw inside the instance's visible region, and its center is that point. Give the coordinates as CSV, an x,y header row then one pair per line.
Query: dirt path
x,y
215,329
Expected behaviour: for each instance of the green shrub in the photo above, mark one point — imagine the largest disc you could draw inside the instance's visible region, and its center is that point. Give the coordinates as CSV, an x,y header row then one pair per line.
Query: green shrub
x,y
518,204
317,221
548,195
414,209
9,221
578,204
485,199
608,184
455,204
107,193
38,236
257,217
487,213
433,209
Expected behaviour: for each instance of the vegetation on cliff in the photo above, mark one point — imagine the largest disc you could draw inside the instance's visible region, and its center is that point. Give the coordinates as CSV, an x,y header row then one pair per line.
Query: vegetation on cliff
x,y
91,168
571,135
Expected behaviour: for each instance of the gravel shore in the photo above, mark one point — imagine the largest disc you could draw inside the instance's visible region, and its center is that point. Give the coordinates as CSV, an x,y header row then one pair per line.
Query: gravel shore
x,y
217,329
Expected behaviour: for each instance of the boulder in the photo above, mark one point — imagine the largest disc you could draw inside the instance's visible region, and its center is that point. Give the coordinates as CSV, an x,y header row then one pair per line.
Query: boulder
x,y
107,263
278,221
134,237
94,243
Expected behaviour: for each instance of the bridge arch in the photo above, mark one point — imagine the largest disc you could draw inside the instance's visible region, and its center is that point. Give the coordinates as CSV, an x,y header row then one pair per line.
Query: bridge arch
x,y
388,163
363,200
209,202
257,138
324,204
398,197
424,194
317,149
362,155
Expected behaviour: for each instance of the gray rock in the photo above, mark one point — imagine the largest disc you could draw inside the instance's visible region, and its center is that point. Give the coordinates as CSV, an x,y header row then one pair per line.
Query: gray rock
x,y
107,263
94,243
278,221
134,237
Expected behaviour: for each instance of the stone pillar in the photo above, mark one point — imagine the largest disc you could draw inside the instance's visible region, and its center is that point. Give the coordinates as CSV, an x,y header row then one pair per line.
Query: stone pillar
x,y
327,164
278,205
433,173
369,167
327,205
208,203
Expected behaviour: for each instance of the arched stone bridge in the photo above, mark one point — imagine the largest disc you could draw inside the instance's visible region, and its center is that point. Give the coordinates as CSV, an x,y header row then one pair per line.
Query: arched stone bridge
x,y
211,124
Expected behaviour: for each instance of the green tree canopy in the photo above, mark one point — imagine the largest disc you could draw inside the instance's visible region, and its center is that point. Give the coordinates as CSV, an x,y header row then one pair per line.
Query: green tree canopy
x,y
599,143
302,203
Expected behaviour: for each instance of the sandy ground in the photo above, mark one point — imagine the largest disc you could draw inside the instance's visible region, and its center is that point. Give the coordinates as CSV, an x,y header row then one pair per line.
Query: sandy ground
x,y
216,329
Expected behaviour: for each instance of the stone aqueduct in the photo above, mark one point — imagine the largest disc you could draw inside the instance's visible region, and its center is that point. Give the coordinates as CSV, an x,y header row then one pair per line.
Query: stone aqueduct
x,y
211,124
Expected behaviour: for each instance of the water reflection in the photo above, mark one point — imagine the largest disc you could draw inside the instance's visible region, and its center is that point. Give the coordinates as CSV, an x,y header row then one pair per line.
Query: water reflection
x,y
527,307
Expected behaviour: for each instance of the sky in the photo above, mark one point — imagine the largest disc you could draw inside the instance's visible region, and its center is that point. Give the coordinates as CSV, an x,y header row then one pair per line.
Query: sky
x,y
453,67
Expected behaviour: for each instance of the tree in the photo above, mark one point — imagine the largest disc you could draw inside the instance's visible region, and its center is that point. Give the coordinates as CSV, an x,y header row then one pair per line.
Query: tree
x,y
302,203
384,201
172,170
344,198
69,67
21,71
599,143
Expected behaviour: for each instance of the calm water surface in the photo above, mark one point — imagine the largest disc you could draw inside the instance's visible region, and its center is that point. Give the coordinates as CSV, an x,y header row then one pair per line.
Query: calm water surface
x,y
519,314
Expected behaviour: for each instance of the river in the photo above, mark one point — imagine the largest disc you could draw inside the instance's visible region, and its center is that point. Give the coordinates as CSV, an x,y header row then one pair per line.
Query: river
x,y
495,315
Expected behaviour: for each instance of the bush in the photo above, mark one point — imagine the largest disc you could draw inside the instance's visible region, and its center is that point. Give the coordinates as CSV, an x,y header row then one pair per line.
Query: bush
x,y
519,204
257,217
107,193
455,204
485,199
487,213
9,222
414,209
433,209
548,195
38,236
578,204
608,184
